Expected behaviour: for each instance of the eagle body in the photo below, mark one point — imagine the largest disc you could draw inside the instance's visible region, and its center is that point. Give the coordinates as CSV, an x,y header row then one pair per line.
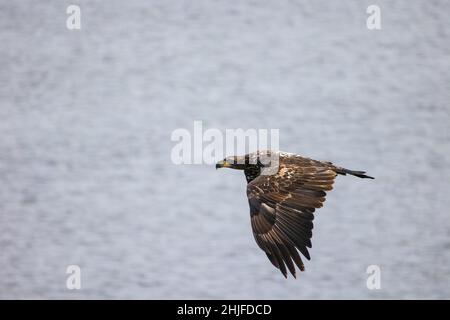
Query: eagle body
x,y
283,201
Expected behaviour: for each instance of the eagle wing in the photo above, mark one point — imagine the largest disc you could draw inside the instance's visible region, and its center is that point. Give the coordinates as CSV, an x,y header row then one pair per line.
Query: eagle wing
x,y
282,209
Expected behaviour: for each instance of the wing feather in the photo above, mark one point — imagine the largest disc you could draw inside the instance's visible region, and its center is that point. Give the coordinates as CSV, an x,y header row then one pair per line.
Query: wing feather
x,y
282,209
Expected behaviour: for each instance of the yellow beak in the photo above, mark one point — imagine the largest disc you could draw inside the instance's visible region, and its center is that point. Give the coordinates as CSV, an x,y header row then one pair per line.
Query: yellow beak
x,y
223,164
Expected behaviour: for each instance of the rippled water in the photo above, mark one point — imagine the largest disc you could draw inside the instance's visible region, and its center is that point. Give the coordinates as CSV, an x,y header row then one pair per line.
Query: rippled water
x,y
86,118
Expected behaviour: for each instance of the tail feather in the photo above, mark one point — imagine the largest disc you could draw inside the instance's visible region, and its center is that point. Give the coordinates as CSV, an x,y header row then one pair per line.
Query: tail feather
x,y
359,174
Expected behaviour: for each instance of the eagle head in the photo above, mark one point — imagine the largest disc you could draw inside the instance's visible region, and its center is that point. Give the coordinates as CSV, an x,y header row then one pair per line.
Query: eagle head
x,y
233,162
250,161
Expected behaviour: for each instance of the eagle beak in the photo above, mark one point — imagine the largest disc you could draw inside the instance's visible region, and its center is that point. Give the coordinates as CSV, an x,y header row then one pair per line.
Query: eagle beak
x,y
223,164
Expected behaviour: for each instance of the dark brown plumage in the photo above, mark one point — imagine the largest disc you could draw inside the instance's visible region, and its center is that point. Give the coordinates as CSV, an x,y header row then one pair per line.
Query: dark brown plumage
x,y
283,200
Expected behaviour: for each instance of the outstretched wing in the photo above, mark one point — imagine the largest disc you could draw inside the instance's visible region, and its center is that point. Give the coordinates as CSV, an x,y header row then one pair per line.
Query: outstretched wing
x,y
282,209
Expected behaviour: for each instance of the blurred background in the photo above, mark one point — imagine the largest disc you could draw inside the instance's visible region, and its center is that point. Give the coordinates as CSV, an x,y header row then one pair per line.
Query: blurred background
x,y
86,118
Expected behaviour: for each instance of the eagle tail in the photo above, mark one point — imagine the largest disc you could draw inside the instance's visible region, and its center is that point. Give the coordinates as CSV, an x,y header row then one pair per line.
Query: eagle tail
x,y
359,174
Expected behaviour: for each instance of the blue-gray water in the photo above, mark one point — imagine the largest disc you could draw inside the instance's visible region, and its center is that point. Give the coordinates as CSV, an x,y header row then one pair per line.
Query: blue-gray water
x,y
85,124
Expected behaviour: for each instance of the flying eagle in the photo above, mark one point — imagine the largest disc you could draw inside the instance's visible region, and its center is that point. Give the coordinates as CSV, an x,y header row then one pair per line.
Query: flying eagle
x,y
283,191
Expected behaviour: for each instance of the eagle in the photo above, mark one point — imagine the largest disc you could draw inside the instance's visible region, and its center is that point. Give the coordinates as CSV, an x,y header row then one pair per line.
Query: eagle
x,y
283,191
